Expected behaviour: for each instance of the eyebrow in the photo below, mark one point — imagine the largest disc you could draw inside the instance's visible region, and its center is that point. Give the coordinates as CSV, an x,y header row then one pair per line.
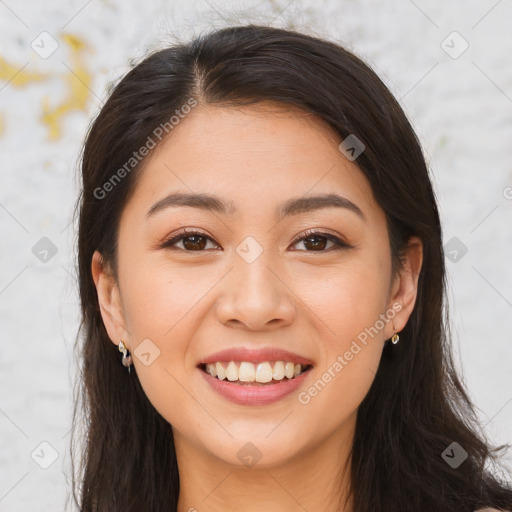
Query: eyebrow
x,y
293,206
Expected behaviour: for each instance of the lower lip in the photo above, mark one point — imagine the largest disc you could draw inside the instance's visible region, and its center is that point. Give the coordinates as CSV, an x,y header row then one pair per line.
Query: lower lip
x,y
254,395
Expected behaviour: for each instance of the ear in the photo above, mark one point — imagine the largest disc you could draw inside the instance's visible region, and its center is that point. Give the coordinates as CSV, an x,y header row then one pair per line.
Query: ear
x,y
404,289
111,307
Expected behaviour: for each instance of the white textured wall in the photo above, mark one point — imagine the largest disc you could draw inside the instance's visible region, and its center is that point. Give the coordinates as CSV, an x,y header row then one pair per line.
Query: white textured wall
x,y
461,108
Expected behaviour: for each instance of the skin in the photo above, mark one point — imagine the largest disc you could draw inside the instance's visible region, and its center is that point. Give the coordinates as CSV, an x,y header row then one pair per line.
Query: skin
x,y
310,301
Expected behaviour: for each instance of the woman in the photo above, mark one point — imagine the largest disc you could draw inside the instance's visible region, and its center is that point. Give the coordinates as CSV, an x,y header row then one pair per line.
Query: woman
x,y
259,239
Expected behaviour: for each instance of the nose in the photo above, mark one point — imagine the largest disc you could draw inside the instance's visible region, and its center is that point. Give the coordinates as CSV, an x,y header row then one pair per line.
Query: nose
x,y
256,296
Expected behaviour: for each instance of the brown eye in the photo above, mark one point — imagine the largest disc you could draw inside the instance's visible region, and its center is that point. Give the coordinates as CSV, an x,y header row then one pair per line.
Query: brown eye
x,y
192,241
315,241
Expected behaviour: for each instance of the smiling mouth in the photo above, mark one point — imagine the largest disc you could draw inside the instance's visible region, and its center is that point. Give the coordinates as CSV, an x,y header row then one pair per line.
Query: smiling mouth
x,y
248,374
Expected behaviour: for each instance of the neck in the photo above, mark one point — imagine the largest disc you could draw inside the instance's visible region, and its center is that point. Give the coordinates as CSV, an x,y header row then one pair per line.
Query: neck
x,y
314,479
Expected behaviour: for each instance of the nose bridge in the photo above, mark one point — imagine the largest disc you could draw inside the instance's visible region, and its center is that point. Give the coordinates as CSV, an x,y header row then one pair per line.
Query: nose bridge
x,y
255,294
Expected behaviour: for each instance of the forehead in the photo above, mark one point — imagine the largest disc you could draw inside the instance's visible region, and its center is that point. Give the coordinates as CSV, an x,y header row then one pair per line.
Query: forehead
x,y
252,156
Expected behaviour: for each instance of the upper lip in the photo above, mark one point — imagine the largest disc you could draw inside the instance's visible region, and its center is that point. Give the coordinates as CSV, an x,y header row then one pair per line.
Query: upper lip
x,y
255,356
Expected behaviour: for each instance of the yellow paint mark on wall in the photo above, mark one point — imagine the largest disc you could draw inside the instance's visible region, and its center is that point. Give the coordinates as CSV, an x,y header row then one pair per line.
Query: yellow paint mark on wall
x,y
18,78
77,80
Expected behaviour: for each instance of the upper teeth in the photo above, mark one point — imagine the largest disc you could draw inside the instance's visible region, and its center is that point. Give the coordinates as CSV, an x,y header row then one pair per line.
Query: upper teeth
x,y
248,372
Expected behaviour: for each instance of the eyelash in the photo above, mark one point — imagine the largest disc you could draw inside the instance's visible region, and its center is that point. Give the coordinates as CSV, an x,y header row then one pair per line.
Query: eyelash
x,y
187,232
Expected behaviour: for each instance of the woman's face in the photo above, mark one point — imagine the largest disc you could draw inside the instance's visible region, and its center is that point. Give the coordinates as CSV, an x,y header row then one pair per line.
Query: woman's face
x,y
250,277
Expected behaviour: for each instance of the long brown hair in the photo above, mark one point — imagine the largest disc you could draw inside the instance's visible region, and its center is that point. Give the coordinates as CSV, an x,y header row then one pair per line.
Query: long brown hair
x,y
416,406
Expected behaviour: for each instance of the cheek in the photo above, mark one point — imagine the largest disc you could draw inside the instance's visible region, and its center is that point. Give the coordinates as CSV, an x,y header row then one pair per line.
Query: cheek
x,y
159,297
349,305
348,310
159,307
356,341
163,303
348,298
